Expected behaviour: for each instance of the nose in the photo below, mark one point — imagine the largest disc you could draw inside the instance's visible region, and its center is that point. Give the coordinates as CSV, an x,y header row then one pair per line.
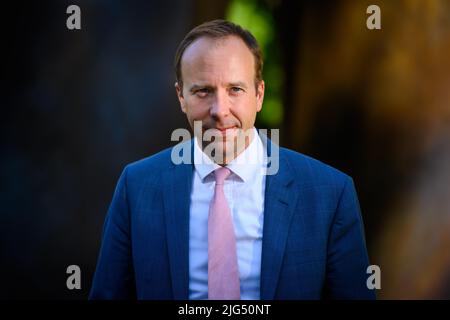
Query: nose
x,y
220,108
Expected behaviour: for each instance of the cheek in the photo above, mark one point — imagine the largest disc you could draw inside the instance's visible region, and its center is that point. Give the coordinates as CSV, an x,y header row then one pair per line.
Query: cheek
x,y
246,112
196,110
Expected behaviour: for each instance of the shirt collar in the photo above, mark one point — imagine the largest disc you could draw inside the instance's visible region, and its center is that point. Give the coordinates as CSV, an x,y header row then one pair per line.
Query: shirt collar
x,y
245,166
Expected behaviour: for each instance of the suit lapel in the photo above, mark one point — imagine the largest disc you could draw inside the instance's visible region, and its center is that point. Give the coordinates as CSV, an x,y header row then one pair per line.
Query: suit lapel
x,y
279,205
177,190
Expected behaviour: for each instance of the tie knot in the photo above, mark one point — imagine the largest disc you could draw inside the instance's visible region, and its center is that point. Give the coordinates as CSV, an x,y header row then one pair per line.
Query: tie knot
x,y
221,174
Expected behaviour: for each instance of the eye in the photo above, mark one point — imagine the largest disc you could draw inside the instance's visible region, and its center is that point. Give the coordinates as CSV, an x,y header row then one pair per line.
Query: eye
x,y
203,92
236,89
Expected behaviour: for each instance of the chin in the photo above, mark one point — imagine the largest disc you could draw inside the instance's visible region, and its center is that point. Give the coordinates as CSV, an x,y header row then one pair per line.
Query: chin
x,y
224,151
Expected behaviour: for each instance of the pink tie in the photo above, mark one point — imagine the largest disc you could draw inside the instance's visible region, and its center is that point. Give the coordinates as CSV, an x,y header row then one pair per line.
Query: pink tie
x,y
223,271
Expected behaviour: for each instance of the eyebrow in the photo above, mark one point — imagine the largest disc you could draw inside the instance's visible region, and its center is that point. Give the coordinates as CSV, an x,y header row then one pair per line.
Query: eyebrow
x,y
231,84
238,84
198,86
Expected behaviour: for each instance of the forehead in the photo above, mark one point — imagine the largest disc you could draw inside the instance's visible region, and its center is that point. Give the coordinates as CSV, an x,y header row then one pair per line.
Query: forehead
x,y
223,57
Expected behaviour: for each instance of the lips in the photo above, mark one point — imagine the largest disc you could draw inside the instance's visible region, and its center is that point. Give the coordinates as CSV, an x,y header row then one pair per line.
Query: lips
x,y
226,129
221,129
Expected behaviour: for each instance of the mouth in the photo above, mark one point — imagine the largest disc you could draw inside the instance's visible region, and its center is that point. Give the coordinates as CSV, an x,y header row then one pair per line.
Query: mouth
x,y
223,130
228,132
226,129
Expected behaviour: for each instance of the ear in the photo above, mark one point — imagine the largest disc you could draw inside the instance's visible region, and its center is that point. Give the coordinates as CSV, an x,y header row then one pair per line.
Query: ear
x,y
260,95
179,89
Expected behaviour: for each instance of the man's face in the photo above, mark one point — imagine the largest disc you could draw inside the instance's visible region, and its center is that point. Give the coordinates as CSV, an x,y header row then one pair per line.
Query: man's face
x,y
218,88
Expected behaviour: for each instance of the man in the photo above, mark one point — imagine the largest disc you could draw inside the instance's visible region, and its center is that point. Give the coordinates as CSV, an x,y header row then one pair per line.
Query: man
x,y
221,226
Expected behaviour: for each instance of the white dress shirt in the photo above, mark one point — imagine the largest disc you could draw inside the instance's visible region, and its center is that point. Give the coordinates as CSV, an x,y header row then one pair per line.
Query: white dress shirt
x,y
244,191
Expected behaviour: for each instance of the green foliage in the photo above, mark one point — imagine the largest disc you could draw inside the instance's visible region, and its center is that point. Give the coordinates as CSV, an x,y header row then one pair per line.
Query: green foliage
x,y
256,17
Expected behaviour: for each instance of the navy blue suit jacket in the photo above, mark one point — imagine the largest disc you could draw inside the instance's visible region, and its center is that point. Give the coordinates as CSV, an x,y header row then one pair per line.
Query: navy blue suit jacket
x,y
313,243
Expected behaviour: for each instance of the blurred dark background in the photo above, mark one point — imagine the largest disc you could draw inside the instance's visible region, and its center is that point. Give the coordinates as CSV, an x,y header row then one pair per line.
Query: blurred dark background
x,y
78,105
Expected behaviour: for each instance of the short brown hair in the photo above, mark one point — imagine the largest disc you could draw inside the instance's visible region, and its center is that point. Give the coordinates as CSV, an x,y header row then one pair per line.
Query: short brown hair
x,y
220,29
